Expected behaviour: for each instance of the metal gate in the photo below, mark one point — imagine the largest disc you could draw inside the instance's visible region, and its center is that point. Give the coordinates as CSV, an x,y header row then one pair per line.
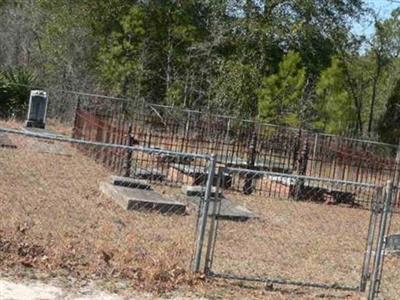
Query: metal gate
x,y
385,275
294,230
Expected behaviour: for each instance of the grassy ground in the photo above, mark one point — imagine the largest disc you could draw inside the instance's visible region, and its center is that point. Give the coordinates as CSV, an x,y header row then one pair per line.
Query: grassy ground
x,y
54,218
55,222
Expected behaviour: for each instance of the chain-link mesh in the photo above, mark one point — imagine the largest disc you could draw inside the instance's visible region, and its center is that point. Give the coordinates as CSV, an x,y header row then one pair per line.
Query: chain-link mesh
x,y
387,285
62,212
293,229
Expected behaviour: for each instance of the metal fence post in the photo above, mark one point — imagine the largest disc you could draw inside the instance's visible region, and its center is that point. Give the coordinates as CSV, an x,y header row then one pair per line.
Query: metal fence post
x,y
213,225
380,248
128,157
76,132
396,180
314,157
298,191
375,209
202,222
251,161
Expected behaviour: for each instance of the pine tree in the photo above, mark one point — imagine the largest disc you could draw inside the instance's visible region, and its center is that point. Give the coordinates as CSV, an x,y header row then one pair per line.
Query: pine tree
x,y
280,94
389,125
334,105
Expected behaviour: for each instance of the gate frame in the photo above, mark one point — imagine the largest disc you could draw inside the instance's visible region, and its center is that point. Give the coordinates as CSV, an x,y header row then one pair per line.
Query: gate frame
x,y
384,227
376,209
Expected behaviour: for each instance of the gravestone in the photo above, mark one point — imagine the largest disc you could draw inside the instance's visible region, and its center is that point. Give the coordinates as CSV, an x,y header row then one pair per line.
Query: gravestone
x,y
149,174
37,109
197,190
130,182
393,243
141,199
228,210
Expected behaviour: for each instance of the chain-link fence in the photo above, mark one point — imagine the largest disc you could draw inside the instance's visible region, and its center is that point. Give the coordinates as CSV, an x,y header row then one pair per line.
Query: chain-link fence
x,y
322,238
63,212
385,278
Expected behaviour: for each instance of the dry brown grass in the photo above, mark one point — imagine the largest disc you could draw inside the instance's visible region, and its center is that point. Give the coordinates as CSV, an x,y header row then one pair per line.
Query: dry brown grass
x,y
390,287
10,123
300,241
297,240
52,125
53,219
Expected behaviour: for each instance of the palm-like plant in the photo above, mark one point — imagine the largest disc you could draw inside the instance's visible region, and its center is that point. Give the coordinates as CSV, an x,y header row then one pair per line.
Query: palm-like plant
x,y
15,85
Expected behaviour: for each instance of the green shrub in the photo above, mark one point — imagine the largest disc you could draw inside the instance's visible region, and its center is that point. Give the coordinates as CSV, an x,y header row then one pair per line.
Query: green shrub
x,y
15,86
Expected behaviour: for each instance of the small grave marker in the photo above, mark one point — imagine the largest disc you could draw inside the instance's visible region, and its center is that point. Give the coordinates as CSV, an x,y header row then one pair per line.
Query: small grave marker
x,y
37,109
141,199
130,182
197,190
5,141
228,209
393,243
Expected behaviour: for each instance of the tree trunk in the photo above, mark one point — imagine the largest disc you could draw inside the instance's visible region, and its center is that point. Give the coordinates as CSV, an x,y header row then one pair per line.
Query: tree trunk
x,y
373,97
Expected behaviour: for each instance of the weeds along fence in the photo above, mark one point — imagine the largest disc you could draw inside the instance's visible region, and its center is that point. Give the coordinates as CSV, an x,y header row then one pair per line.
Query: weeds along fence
x,y
296,242
54,217
235,142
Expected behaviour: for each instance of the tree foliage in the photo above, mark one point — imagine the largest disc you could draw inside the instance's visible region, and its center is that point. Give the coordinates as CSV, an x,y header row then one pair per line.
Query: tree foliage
x,y
14,91
389,125
335,108
293,63
280,94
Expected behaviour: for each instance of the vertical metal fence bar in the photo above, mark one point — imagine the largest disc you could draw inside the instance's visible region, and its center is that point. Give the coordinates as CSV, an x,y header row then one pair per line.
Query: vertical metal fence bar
x,y
76,131
202,223
128,158
392,193
314,157
375,208
213,225
396,180
377,271
251,161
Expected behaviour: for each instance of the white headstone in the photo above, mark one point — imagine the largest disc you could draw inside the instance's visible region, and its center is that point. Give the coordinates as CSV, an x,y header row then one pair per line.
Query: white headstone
x,y
37,109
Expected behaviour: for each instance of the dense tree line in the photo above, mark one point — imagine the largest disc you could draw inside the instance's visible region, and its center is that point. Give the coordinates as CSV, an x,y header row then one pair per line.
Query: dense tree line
x,y
289,62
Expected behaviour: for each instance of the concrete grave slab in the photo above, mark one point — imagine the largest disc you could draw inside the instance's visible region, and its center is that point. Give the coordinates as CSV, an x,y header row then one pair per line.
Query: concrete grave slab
x,y
260,164
130,182
45,145
5,141
312,190
43,131
149,174
393,243
169,158
228,211
197,175
49,147
198,190
190,170
142,200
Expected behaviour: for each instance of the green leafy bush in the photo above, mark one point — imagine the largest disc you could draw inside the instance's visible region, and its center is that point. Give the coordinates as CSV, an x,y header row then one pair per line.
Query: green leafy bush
x,y
15,86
